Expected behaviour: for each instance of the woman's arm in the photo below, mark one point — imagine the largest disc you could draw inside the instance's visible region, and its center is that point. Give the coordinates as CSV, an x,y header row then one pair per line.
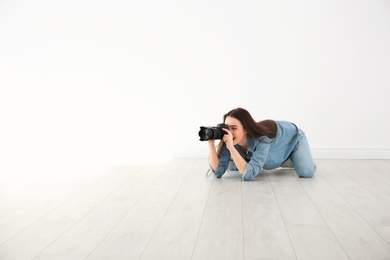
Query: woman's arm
x,y
219,159
238,160
258,159
213,160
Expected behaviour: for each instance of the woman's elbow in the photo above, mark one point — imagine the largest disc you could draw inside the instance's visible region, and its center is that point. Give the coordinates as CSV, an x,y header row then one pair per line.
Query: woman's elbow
x,y
216,175
247,177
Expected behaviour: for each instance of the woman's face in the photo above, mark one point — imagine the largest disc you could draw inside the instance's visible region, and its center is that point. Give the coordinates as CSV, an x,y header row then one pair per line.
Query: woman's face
x,y
238,132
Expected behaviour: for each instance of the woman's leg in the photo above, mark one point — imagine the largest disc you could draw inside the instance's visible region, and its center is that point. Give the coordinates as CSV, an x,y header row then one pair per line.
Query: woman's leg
x,y
302,159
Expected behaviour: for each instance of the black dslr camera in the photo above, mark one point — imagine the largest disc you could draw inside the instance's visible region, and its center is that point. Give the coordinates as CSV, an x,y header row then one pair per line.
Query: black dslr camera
x,y
212,133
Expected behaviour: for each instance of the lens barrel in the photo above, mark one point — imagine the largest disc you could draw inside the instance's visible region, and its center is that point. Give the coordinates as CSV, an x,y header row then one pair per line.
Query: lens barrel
x,y
212,133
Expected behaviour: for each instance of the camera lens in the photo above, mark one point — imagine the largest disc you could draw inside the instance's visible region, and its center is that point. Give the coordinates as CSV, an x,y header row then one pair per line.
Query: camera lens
x,y
212,133
206,133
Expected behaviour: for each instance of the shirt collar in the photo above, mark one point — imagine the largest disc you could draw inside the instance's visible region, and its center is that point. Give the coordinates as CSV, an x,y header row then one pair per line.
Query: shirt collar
x,y
251,144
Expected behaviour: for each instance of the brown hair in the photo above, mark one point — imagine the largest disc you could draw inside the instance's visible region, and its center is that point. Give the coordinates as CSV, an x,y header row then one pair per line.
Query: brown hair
x,y
255,129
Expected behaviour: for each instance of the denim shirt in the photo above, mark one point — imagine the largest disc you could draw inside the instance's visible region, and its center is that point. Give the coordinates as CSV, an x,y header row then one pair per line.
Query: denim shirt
x,y
263,152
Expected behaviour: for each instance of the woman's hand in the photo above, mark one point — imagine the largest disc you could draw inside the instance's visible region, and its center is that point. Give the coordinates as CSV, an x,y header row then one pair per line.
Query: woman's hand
x,y
228,139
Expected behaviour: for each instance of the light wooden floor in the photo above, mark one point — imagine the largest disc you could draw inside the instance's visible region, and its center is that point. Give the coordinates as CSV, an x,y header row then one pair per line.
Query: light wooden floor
x,y
174,211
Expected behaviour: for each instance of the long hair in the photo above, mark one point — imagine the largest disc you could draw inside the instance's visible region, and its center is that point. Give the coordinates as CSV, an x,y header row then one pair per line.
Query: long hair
x,y
255,129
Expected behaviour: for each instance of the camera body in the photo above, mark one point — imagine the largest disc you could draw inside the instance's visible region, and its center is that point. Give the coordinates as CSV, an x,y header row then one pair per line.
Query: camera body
x,y
212,133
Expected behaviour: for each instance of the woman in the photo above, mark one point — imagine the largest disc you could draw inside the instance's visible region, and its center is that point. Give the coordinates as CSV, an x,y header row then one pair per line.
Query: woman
x,y
249,146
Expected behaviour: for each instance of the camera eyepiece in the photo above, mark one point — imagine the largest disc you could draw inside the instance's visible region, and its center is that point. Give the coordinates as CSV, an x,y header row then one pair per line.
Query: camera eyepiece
x,y
212,133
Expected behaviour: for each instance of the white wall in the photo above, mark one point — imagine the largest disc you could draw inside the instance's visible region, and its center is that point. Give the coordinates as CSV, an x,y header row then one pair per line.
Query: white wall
x,y
132,81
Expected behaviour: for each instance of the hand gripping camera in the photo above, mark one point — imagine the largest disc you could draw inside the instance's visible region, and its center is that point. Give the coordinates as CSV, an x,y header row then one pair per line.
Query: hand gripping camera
x,y
212,133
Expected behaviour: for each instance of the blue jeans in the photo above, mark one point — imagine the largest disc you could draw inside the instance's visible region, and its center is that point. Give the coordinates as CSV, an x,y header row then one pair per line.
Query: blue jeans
x,y
302,159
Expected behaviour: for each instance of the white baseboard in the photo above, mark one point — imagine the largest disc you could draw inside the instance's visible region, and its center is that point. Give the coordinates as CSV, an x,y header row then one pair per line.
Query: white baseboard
x,y
317,153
